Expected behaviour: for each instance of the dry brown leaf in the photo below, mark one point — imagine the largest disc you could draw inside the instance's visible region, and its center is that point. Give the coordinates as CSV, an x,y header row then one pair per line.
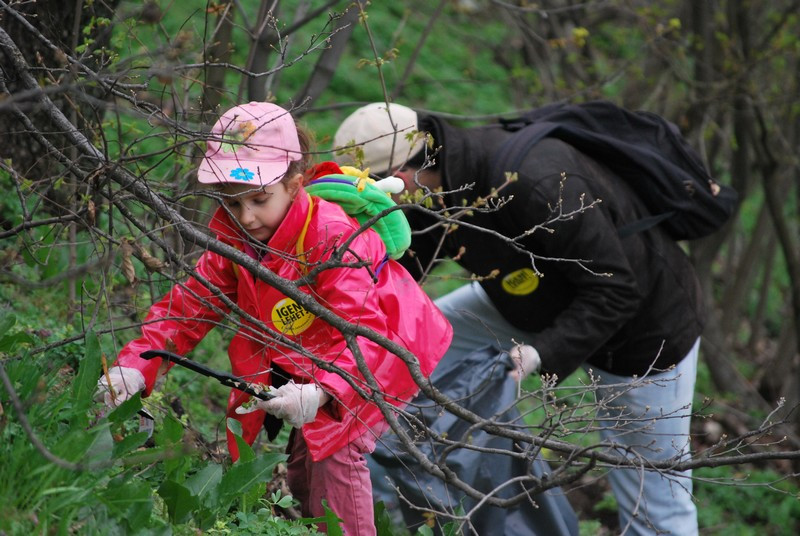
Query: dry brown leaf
x,y
91,212
153,264
169,346
127,265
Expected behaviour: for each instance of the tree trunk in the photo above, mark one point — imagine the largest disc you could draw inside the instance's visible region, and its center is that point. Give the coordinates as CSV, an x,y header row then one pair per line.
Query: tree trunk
x,y
329,59
62,23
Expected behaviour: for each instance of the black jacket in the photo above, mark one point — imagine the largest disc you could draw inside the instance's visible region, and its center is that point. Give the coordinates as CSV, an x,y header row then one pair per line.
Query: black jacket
x,y
598,298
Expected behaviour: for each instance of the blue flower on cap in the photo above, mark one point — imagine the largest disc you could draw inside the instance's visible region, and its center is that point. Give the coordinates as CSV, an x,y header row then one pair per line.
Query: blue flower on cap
x,y
242,174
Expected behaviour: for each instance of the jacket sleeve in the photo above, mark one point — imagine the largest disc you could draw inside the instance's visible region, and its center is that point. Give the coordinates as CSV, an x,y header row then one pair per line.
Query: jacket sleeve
x,y
184,316
584,247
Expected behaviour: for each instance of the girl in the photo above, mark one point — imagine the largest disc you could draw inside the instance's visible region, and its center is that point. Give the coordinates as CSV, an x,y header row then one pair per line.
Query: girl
x,y
256,161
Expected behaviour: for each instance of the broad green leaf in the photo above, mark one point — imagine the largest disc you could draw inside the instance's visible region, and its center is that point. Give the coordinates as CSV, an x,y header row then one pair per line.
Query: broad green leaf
x,y
332,521
205,486
450,529
179,500
56,263
207,517
383,523
86,445
126,410
8,343
205,483
234,426
177,464
129,443
246,453
7,322
170,432
170,438
243,476
101,449
131,500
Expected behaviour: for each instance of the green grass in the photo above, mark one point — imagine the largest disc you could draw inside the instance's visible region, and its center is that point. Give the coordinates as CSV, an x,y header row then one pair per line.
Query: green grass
x,y
744,501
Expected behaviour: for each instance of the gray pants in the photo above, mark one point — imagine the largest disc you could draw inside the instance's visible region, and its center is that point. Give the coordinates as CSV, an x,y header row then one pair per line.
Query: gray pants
x,y
648,501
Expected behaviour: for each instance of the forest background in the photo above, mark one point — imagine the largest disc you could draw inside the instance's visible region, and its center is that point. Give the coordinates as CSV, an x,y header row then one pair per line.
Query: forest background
x,y
103,105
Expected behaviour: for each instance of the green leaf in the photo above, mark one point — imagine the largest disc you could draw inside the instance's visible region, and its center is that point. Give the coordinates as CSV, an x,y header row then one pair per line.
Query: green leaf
x,y
170,432
8,343
207,517
89,371
285,501
86,445
383,523
205,486
129,500
205,483
55,264
100,447
332,521
450,529
243,476
246,453
129,443
126,410
179,500
170,438
7,322
234,426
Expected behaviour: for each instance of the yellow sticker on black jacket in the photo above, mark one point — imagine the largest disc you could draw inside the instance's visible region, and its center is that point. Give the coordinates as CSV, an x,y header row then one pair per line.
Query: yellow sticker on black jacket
x,y
290,317
521,282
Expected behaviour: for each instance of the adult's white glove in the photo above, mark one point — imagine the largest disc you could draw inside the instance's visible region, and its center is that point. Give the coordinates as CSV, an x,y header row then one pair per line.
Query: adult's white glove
x,y
391,185
526,360
125,381
296,403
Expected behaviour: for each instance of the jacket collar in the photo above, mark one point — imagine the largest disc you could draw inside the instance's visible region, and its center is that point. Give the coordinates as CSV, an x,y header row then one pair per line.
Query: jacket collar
x,y
466,155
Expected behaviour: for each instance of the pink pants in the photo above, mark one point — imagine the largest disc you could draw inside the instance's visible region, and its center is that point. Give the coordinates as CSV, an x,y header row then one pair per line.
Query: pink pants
x,y
342,479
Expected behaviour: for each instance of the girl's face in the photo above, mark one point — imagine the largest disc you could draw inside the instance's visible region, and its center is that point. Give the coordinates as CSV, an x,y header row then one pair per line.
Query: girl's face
x,y
261,210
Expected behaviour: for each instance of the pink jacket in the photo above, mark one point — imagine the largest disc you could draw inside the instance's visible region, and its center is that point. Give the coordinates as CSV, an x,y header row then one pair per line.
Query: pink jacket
x,y
393,306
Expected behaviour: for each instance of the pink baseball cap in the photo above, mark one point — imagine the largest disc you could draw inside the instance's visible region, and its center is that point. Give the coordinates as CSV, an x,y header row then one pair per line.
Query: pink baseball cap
x,y
252,143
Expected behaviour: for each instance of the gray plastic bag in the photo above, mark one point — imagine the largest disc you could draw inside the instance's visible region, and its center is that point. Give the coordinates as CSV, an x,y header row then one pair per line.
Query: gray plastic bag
x,y
480,383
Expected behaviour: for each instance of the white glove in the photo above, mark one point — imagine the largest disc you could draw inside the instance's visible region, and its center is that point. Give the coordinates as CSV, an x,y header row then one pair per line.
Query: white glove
x,y
125,381
391,185
526,359
296,403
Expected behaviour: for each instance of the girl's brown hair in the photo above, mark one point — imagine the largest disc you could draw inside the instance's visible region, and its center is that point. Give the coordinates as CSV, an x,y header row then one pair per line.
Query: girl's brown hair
x,y
306,139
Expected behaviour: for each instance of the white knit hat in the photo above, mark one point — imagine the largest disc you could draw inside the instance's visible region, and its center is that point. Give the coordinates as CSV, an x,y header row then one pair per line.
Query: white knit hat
x,y
383,139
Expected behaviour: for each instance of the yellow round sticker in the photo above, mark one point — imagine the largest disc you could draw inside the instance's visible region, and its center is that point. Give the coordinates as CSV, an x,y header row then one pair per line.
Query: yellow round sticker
x,y
521,282
290,317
